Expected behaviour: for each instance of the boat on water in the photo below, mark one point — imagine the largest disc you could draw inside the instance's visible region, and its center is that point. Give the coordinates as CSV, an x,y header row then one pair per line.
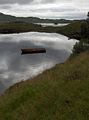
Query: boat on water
x,y
33,51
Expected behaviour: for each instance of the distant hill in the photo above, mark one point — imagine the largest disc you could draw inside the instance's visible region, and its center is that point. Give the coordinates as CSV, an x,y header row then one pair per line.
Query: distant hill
x,y
10,19
4,18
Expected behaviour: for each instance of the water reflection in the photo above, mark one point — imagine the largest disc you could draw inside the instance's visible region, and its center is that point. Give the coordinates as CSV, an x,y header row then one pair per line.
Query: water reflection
x,y
15,67
52,24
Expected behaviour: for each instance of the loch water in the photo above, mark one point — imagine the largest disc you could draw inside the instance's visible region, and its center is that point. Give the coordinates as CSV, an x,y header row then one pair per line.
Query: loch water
x,y
15,67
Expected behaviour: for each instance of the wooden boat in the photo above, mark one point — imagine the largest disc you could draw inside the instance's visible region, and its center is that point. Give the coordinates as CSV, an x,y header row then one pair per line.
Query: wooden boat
x,y
32,51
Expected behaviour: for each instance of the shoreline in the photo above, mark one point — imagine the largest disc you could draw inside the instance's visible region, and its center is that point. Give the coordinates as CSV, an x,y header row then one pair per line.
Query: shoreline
x,y
68,30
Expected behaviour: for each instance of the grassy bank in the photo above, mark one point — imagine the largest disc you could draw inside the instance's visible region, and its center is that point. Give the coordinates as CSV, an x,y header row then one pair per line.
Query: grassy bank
x,y
71,30
61,93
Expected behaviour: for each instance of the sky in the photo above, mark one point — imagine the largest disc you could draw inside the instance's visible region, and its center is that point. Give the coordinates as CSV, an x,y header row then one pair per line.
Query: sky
x,y
58,9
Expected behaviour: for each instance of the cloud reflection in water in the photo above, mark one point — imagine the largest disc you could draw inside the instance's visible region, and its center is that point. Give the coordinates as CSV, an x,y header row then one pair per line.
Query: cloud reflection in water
x,y
15,67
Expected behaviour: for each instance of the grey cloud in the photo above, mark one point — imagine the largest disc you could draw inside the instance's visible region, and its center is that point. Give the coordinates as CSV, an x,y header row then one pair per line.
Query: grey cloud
x,y
5,6
52,1
30,1
25,1
83,16
47,1
53,10
69,9
15,1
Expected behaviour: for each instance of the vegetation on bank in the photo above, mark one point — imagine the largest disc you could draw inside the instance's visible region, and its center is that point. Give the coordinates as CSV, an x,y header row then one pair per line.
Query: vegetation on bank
x,y
61,93
71,30
83,44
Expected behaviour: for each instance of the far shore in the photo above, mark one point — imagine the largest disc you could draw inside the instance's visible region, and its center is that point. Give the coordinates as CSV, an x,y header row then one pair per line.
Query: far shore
x,y
74,32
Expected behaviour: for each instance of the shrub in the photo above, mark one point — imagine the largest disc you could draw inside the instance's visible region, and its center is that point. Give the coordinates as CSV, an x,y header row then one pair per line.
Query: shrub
x,y
80,46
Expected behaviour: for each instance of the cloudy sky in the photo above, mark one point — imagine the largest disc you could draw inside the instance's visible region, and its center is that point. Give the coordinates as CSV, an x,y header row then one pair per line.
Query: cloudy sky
x,y
69,9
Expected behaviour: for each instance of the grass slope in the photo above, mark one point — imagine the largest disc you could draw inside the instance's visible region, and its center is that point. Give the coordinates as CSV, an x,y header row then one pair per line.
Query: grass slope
x,y
60,93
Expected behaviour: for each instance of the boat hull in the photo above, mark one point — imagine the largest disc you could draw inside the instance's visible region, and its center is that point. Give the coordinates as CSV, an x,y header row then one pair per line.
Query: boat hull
x,y
33,51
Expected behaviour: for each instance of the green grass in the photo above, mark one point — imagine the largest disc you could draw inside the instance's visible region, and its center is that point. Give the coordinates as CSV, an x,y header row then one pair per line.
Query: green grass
x,y
18,27
60,93
68,30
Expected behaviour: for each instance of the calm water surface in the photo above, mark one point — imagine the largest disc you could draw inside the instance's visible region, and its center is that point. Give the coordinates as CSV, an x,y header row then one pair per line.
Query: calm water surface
x,y
52,24
15,67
